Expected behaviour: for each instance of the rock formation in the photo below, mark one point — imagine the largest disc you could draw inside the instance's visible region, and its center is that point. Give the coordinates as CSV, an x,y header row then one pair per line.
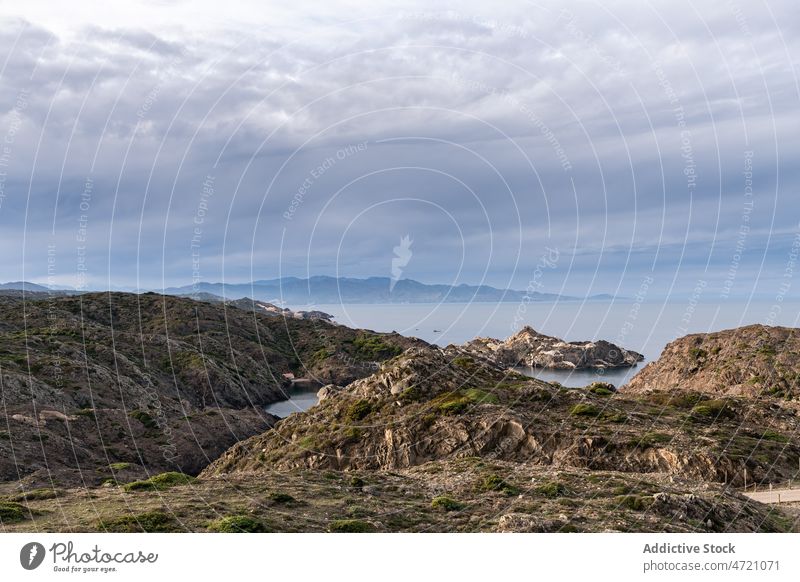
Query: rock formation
x,y
432,405
755,360
533,349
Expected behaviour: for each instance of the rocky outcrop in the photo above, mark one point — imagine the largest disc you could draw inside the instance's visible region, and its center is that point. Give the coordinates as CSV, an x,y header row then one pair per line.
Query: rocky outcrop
x,y
755,360
430,405
271,309
258,306
533,349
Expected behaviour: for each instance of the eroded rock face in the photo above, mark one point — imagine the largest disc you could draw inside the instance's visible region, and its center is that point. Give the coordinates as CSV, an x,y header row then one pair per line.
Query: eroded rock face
x,y
755,360
431,405
533,349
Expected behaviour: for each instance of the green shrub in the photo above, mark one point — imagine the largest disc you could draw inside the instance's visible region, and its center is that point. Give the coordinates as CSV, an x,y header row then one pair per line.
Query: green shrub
x,y
650,439
713,409
445,503
552,489
36,494
771,435
697,353
359,410
496,483
584,409
352,434
350,526
451,403
149,522
237,524
356,482
458,401
463,362
767,350
374,348
11,512
160,482
601,388
307,442
147,421
119,466
321,355
411,394
635,502
281,498
676,400
481,396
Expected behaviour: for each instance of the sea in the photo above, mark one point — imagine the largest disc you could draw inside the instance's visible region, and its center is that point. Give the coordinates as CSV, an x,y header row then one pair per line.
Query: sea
x,y
646,327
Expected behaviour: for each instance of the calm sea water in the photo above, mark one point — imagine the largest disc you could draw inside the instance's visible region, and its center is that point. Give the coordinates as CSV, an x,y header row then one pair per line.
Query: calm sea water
x,y
644,327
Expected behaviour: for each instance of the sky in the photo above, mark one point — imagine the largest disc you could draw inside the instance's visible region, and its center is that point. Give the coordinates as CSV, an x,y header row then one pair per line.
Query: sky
x,y
577,147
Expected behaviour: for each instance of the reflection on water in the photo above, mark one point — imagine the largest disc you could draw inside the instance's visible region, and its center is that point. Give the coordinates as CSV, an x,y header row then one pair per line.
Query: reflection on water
x,y
580,378
300,399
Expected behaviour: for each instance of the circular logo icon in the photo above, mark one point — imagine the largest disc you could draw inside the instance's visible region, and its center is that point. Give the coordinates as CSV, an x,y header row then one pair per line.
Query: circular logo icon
x,y
31,555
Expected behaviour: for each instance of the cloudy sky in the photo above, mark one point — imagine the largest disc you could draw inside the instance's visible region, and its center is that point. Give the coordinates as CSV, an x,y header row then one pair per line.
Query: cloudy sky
x,y
158,142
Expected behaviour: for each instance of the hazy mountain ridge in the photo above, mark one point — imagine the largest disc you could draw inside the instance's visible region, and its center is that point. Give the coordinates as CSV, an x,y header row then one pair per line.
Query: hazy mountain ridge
x,y
324,289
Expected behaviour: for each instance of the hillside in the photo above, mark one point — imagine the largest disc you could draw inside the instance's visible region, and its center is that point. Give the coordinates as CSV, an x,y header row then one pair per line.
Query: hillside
x,y
755,360
432,405
429,440
150,383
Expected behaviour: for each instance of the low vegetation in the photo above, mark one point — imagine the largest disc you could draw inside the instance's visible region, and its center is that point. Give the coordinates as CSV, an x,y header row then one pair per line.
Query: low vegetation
x,y
237,524
601,388
445,503
36,495
359,410
12,512
634,502
374,348
714,409
494,482
585,409
459,401
552,489
160,482
147,421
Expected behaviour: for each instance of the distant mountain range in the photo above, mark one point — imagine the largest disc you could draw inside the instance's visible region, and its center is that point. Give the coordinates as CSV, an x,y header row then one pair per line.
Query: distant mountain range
x,y
22,286
323,289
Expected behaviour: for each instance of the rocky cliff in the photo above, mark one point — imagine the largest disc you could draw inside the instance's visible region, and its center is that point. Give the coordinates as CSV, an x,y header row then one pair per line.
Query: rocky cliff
x,y
533,349
755,360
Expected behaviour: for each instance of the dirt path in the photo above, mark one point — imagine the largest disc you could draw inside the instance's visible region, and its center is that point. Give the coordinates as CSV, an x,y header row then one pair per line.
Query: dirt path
x,y
775,496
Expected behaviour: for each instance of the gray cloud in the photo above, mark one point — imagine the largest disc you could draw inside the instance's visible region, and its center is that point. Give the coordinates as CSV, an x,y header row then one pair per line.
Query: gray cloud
x,y
490,135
